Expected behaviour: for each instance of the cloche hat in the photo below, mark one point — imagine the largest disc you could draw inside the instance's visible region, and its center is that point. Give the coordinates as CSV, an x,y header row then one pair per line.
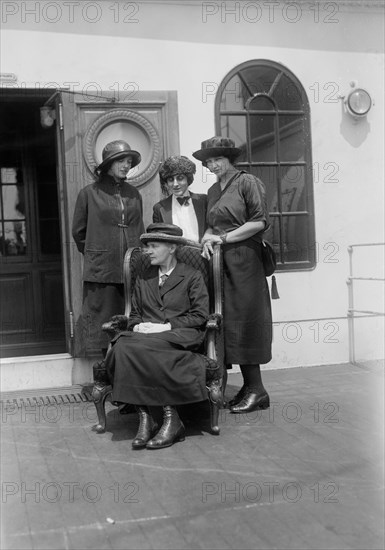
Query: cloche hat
x,y
163,232
116,150
217,147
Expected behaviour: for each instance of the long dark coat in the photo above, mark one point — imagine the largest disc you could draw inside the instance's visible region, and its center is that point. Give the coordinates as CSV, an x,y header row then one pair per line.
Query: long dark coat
x,y
162,211
107,220
162,368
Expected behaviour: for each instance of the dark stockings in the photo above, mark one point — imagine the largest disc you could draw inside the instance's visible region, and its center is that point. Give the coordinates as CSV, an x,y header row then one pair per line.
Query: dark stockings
x,y
252,378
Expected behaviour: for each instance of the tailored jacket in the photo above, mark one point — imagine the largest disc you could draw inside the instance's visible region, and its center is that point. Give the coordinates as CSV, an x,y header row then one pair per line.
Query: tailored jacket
x,y
107,220
182,301
162,211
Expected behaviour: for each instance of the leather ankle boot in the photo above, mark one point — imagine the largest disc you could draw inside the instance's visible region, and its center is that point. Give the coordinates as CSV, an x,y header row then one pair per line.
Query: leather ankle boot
x,y
251,401
147,428
171,431
238,397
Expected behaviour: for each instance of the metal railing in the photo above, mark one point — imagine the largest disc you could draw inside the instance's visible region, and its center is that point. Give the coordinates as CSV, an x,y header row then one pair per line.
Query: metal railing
x,y
351,310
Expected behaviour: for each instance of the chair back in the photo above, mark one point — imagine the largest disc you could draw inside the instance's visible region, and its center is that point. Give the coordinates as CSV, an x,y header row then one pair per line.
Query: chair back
x,y
136,261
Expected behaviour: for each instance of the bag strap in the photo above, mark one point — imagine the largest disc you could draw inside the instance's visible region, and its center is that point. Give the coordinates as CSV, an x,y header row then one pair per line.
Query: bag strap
x,y
225,189
228,184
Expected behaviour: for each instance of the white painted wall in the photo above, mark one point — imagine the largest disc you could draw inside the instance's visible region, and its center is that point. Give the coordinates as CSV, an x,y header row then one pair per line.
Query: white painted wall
x,y
171,47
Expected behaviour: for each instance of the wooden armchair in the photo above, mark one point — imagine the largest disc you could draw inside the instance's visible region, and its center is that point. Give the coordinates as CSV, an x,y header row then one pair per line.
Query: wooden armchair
x,y
134,262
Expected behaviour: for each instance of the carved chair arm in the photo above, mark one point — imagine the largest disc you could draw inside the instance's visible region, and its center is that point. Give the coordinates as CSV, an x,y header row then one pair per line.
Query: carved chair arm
x,y
116,325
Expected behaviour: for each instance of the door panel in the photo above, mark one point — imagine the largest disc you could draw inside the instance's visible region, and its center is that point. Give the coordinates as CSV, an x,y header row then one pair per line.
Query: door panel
x,y
17,307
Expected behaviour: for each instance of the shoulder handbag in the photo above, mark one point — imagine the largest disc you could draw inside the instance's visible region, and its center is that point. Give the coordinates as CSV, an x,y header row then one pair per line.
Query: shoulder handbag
x,y
268,258
269,261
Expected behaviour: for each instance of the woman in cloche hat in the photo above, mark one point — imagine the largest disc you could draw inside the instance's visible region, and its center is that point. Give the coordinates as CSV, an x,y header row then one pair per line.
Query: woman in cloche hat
x,y
181,207
237,218
107,220
154,361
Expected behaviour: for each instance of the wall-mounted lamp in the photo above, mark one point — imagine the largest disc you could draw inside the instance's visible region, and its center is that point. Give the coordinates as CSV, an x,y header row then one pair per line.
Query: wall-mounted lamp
x,y
357,102
47,116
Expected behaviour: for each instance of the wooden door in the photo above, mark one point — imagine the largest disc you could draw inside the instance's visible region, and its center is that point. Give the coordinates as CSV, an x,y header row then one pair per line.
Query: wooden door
x,y
31,281
148,121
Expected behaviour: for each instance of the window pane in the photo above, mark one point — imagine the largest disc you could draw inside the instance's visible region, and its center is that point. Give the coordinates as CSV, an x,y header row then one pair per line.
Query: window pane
x,y
47,200
261,103
287,95
295,239
293,189
268,175
13,202
234,95
291,138
9,175
262,135
234,127
15,238
2,241
49,236
260,80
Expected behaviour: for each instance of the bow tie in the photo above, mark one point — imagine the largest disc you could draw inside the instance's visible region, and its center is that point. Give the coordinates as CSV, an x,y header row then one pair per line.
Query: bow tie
x,y
183,200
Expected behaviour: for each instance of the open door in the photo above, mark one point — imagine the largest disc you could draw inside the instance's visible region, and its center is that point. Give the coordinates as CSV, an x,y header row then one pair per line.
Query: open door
x,y
32,318
148,121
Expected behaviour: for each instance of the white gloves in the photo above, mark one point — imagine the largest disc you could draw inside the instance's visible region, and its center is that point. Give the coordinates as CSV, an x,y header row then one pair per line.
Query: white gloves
x,y
148,328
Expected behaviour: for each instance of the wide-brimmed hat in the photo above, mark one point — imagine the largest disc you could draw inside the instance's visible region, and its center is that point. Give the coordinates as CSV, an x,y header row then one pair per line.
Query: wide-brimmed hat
x,y
116,150
217,147
163,232
177,166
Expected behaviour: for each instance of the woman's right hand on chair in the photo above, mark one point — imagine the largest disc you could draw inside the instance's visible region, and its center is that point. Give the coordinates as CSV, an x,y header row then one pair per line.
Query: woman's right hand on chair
x,y
208,244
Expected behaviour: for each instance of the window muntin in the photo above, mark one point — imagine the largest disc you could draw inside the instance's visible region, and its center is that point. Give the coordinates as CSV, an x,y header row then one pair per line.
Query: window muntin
x,y
263,107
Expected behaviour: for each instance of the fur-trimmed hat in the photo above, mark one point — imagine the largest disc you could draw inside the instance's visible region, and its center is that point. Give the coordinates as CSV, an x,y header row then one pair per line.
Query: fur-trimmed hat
x,y
177,166
116,150
217,147
163,232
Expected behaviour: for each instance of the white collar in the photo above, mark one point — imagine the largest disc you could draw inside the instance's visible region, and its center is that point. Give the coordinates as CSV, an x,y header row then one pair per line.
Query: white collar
x,y
168,273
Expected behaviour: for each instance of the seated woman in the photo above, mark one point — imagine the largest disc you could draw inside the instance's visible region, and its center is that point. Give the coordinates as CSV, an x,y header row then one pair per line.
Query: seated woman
x,y
181,207
155,361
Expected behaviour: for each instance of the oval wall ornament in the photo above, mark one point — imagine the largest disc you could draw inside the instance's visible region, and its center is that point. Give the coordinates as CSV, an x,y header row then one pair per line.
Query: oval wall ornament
x,y
137,125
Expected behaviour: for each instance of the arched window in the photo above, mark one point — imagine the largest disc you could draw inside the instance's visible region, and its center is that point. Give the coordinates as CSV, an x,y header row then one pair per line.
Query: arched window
x,y
263,107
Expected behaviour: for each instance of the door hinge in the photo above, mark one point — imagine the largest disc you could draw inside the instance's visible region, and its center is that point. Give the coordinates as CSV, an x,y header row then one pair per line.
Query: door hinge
x,y
60,107
71,324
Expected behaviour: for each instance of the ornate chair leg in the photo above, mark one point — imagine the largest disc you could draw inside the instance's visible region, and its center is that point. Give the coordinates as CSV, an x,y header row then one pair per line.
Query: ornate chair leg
x,y
224,384
216,402
99,394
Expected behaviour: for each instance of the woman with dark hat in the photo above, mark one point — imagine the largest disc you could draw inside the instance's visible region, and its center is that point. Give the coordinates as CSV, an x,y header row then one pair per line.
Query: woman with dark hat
x,y
154,362
181,207
107,220
237,218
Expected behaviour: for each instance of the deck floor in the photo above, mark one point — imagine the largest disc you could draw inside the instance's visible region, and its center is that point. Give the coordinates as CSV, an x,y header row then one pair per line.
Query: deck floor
x,y
307,473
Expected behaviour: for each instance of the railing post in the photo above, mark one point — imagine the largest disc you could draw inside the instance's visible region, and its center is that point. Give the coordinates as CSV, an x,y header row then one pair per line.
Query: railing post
x,y
352,358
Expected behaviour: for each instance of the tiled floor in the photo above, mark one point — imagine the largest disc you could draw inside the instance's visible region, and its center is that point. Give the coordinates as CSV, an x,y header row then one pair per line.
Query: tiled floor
x,y
307,473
